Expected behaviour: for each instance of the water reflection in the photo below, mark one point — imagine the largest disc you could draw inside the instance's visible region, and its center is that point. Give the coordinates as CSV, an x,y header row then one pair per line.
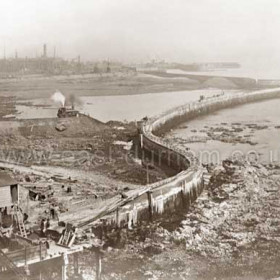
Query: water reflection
x,y
120,108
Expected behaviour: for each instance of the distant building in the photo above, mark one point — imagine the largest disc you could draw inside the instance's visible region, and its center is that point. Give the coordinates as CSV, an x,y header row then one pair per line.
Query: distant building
x,y
109,67
53,65
38,65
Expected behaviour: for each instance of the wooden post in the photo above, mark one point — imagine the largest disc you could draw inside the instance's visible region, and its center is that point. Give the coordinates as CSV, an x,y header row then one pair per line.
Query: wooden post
x,y
118,225
189,199
40,265
150,202
183,199
152,157
103,231
192,194
64,266
98,264
198,187
25,255
141,140
76,264
40,251
147,168
117,217
201,186
28,207
195,192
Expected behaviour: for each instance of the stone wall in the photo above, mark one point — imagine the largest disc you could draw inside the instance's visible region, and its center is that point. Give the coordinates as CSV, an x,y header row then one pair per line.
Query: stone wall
x,y
177,192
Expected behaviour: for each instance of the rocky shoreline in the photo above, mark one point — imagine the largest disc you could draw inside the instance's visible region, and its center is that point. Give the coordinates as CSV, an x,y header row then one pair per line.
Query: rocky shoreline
x,y
231,232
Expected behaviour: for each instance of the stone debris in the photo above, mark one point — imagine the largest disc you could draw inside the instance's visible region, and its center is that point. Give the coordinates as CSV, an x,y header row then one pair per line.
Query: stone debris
x,y
235,223
235,215
60,127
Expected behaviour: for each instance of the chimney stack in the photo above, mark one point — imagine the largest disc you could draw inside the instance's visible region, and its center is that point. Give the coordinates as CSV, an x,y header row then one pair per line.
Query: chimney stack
x,y
45,50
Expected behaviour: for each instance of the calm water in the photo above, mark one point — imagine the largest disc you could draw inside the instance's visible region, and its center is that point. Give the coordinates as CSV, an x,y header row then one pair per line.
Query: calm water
x,y
265,114
245,72
135,107
120,108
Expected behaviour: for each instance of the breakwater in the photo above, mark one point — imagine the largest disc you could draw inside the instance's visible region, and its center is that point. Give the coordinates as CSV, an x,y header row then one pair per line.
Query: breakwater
x,y
178,192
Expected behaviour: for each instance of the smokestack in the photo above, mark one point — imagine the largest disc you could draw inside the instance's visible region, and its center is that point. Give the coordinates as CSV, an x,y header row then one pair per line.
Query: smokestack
x,y
45,50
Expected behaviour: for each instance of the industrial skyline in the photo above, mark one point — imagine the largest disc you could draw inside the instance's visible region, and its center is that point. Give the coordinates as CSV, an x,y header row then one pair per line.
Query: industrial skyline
x,y
134,30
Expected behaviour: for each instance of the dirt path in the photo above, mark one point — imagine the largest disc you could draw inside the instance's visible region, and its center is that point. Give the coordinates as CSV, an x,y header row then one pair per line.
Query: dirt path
x,y
65,173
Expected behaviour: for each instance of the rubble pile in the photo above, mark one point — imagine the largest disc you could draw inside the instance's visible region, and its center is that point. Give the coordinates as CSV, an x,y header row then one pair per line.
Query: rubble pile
x,y
231,135
239,214
230,174
80,143
234,226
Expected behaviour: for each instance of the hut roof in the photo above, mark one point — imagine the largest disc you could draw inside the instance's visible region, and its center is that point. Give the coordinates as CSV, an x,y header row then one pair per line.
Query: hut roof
x,y
6,179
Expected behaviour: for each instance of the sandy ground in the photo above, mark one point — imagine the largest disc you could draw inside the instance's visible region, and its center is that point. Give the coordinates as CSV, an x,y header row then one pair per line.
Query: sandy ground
x,y
28,87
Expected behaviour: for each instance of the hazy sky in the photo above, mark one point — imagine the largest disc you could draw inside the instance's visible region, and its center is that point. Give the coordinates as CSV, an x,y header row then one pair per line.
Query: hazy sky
x,y
175,30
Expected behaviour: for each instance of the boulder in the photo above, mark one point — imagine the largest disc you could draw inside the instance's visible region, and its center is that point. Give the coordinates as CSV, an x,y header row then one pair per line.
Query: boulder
x,y
60,127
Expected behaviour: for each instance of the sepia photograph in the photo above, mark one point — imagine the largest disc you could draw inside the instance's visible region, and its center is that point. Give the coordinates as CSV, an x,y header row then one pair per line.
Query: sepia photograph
x,y
139,140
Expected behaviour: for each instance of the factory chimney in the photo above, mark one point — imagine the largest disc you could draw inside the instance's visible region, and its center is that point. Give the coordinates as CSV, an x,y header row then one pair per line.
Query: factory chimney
x,y
45,50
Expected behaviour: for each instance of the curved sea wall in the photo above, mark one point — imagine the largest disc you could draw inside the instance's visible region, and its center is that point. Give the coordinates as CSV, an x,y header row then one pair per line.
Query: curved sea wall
x,y
179,158
178,192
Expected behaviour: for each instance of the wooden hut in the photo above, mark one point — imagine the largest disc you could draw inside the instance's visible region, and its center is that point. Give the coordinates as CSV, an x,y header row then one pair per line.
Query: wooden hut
x,y
9,191
9,199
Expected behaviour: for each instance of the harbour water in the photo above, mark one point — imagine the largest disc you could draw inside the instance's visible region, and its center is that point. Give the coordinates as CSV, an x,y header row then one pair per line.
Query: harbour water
x,y
119,108
263,141
256,72
252,130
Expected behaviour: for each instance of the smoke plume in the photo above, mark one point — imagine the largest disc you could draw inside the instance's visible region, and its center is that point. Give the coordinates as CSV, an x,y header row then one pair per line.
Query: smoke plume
x,y
73,100
58,97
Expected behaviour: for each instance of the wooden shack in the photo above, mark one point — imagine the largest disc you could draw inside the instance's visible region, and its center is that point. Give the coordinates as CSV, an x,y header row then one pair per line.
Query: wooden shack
x,y
9,199
9,191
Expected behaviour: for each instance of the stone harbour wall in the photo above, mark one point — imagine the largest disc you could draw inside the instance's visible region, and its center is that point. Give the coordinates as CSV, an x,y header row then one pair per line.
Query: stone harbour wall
x,y
178,192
